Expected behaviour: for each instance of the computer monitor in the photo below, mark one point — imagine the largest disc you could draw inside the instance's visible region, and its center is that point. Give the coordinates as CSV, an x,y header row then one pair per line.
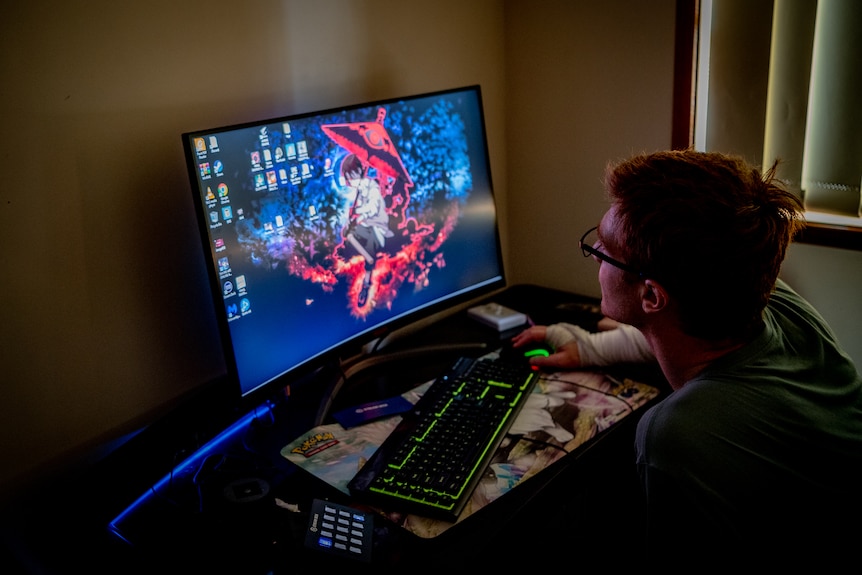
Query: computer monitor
x,y
323,230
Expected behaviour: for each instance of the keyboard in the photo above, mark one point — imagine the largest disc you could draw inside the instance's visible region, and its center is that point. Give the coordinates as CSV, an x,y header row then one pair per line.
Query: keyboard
x,y
435,457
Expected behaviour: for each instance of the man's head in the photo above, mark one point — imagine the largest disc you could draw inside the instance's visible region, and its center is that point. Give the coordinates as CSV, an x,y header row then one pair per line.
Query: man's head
x,y
707,227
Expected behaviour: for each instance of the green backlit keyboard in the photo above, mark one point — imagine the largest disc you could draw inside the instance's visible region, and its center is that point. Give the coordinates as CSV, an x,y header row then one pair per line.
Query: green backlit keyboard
x,y
433,460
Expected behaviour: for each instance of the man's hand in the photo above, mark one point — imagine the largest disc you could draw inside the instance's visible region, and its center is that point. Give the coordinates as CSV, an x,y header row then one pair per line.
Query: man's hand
x,y
566,356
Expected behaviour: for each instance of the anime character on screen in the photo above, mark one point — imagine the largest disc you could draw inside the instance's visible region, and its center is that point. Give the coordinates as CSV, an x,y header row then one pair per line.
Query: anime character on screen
x,y
368,226
374,172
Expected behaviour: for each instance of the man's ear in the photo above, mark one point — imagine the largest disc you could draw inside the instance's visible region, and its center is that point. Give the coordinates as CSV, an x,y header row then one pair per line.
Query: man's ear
x,y
654,297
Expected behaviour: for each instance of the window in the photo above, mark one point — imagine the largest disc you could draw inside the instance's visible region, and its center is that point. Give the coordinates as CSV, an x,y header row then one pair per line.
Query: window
x,y
779,79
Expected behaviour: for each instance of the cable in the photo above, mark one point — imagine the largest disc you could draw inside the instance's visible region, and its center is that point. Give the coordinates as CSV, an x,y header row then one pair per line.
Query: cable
x,y
555,377
326,402
352,367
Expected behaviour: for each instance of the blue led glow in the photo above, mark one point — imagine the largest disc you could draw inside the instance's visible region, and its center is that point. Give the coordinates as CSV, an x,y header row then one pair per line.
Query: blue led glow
x,y
193,461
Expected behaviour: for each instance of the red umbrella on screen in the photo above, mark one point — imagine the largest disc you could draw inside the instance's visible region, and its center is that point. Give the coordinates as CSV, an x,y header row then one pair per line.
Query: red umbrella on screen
x,y
371,143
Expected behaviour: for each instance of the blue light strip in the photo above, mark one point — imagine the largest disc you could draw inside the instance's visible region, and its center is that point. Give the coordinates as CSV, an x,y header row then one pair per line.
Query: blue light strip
x,y
193,460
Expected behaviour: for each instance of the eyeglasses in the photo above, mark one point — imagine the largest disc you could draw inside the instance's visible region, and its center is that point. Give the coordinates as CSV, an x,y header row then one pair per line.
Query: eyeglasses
x,y
590,251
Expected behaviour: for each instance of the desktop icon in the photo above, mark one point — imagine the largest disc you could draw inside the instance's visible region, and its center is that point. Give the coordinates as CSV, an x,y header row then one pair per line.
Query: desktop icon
x,y
232,310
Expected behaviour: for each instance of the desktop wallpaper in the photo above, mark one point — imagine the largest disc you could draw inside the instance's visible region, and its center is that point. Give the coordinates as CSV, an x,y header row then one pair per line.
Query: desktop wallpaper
x,y
325,226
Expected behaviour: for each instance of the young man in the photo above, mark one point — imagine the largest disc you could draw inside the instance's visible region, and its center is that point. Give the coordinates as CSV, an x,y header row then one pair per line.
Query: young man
x,y
757,453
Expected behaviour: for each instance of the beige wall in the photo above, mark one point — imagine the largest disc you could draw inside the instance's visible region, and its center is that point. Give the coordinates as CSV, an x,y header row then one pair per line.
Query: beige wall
x,y
587,82
104,314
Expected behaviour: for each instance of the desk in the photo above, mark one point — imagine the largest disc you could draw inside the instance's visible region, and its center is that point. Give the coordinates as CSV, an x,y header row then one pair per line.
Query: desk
x,y
565,411
190,522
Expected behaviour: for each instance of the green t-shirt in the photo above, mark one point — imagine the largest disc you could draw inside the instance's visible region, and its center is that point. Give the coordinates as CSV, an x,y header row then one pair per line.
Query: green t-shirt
x,y
762,452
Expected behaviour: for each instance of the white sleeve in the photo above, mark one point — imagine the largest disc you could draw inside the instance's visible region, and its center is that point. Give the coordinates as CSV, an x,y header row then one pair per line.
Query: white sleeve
x,y
623,344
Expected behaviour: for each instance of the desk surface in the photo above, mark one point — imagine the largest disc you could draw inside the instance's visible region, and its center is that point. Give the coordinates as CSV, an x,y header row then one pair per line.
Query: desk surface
x,y
224,510
566,410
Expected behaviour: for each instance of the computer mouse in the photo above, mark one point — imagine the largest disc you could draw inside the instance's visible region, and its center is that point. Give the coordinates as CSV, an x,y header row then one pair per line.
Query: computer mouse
x,y
523,354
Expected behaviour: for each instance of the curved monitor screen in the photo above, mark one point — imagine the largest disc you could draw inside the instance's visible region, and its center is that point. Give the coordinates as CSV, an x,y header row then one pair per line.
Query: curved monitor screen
x,y
323,228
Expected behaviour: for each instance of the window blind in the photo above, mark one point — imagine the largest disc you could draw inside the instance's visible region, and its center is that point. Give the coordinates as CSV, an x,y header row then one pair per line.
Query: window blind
x,y
796,97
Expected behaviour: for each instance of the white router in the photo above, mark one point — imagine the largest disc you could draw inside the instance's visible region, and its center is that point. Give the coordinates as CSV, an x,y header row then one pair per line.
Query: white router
x,y
497,316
